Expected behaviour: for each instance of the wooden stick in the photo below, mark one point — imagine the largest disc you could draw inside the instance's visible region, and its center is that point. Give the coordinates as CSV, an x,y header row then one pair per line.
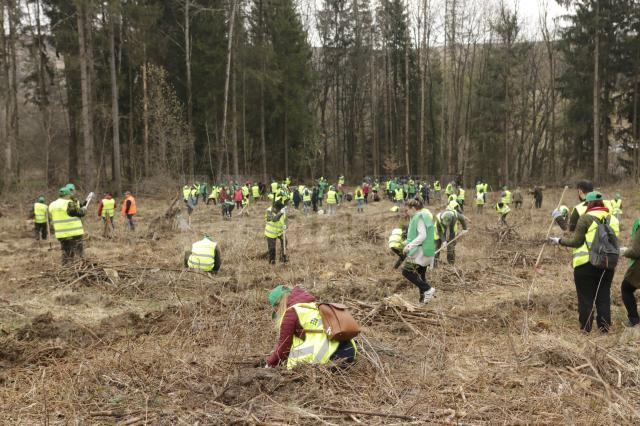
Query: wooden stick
x,y
549,230
369,413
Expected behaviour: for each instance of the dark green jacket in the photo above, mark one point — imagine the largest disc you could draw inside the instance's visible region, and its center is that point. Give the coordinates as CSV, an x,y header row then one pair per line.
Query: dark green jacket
x,y
633,273
579,234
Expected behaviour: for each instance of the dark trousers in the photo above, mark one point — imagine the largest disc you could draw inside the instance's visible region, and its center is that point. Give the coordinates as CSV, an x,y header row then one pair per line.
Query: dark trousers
x,y
538,203
593,286
451,251
271,247
345,352
71,248
132,226
629,300
416,274
518,204
41,231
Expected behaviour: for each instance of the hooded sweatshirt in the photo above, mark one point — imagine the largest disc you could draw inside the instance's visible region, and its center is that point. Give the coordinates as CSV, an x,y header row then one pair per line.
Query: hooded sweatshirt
x,y
289,327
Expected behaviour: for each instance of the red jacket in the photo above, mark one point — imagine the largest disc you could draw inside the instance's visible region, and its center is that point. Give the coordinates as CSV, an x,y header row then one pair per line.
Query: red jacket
x,y
289,327
237,196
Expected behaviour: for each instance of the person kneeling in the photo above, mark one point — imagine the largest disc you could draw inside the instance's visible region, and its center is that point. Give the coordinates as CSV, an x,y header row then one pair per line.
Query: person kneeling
x,y
204,256
302,339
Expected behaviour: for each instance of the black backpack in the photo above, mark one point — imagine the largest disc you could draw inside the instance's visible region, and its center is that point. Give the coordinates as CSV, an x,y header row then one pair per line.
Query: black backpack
x,y
605,251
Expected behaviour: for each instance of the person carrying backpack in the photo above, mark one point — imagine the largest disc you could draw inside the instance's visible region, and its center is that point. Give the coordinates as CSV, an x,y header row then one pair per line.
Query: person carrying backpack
x,y
631,280
596,240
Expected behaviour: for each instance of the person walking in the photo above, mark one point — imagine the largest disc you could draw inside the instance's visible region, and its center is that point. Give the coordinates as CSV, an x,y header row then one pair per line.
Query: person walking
x,y
40,216
480,200
107,211
66,217
306,201
129,210
517,198
537,197
332,201
593,283
359,196
420,250
503,209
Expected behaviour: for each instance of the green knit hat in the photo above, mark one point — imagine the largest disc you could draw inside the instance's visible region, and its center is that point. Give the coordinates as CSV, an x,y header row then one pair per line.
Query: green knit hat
x,y
594,196
40,199
64,191
276,294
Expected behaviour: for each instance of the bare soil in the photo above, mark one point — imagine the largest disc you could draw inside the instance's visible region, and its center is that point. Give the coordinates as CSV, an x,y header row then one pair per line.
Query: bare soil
x,y
128,337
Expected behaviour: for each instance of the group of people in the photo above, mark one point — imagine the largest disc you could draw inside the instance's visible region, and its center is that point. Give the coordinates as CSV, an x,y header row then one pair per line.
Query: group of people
x,y
64,217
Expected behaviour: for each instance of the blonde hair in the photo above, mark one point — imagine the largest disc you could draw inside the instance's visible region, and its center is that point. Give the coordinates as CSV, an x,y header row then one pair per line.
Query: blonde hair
x,y
281,309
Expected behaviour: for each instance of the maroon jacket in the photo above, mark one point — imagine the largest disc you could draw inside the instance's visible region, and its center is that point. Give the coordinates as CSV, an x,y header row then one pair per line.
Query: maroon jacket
x,y
290,326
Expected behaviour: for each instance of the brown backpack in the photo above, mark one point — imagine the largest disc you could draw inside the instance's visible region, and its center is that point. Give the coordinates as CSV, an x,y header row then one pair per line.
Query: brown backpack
x,y
338,323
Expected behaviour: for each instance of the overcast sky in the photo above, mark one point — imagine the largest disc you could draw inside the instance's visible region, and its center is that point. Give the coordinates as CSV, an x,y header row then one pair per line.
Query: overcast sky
x,y
530,9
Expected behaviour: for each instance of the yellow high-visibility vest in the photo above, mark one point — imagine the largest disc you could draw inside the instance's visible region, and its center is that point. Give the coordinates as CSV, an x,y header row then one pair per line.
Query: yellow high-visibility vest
x,y
203,255
306,197
395,239
479,198
255,189
315,348
504,210
40,212
108,207
506,198
581,254
332,197
65,226
274,229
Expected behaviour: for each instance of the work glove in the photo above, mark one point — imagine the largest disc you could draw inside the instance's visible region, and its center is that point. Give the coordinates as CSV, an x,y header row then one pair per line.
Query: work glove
x,y
623,250
464,231
556,214
554,240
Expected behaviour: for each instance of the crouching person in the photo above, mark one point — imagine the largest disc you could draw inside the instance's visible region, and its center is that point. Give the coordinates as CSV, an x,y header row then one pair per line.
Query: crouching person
x,y
302,339
204,256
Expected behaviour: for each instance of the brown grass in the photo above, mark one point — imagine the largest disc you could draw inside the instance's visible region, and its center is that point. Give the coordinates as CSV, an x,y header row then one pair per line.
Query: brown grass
x,y
128,337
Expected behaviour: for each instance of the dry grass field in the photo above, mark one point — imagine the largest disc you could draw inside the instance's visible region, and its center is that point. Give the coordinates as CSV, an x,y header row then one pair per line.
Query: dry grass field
x,y
129,337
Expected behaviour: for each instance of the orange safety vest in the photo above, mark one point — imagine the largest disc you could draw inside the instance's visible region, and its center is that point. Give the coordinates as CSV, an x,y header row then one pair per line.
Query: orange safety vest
x,y
132,209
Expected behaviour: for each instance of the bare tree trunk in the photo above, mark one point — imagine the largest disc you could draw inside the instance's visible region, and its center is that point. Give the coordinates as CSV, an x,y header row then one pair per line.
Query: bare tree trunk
x,y
234,119
636,157
406,109
145,114
12,121
424,58
115,114
596,100
245,144
263,129
187,50
444,101
286,144
129,147
226,80
85,88
7,171
374,104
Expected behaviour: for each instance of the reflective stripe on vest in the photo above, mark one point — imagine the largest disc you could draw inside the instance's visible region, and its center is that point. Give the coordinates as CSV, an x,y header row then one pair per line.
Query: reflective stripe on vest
x,y
581,254
64,225
108,207
40,212
202,256
307,196
395,239
274,229
315,348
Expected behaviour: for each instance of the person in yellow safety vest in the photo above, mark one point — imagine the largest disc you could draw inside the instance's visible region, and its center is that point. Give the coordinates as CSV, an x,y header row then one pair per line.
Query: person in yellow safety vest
x,y
561,216
40,218
503,209
461,194
107,211
188,200
306,200
506,196
584,187
341,180
245,191
204,256
447,228
193,194
593,283
437,189
274,187
301,335
359,196
616,206
332,200
65,217
213,196
450,189
399,195
275,229
480,201
255,192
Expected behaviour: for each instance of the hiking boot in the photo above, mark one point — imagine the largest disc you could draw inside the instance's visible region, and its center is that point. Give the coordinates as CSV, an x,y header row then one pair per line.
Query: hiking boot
x,y
428,295
628,323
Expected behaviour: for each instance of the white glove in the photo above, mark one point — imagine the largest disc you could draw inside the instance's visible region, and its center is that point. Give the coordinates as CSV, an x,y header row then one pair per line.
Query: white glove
x,y
267,366
556,214
554,240
623,250
464,231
